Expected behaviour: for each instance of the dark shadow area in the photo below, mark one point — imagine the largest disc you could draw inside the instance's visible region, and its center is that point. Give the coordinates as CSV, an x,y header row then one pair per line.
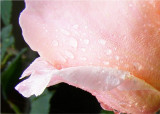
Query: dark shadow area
x,y
17,8
69,99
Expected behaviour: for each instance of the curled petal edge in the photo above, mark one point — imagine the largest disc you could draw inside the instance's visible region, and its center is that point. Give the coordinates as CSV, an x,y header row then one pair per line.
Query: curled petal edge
x,y
89,78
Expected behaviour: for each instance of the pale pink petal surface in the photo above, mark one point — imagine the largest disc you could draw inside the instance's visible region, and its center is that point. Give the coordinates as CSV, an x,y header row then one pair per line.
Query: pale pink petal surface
x,y
108,48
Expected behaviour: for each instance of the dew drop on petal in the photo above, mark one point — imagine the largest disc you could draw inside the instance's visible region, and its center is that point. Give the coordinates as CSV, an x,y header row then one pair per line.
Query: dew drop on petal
x,y
130,5
83,58
75,26
108,52
73,42
69,54
65,32
138,66
106,63
129,105
126,65
86,41
102,41
84,34
85,27
83,49
117,57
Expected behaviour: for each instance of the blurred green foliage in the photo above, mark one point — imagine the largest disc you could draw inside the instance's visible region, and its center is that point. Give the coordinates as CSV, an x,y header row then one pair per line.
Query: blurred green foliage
x,y
6,9
106,112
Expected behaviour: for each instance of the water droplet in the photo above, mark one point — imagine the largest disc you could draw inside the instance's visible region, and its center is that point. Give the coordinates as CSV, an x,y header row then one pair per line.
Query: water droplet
x,y
103,71
108,52
46,30
84,34
83,49
126,65
75,26
151,68
73,42
138,66
65,32
125,37
144,25
129,105
62,59
85,27
143,108
75,81
130,5
106,63
121,61
69,54
143,5
55,43
116,67
94,93
83,58
102,41
136,104
117,57
86,41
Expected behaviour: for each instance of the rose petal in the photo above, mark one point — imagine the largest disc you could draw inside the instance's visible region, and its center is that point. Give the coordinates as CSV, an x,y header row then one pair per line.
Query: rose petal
x,y
83,77
111,87
124,34
79,37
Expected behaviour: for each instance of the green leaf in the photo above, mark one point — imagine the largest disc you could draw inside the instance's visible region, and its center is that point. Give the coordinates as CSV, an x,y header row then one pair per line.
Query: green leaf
x,y
106,112
41,104
14,107
7,39
6,10
11,74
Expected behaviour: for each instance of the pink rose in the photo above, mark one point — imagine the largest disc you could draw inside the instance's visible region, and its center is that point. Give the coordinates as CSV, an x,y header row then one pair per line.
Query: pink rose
x,y
108,48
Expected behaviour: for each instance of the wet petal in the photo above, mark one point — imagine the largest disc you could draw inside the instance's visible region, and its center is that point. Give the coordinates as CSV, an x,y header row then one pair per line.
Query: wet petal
x,y
124,34
114,89
120,37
